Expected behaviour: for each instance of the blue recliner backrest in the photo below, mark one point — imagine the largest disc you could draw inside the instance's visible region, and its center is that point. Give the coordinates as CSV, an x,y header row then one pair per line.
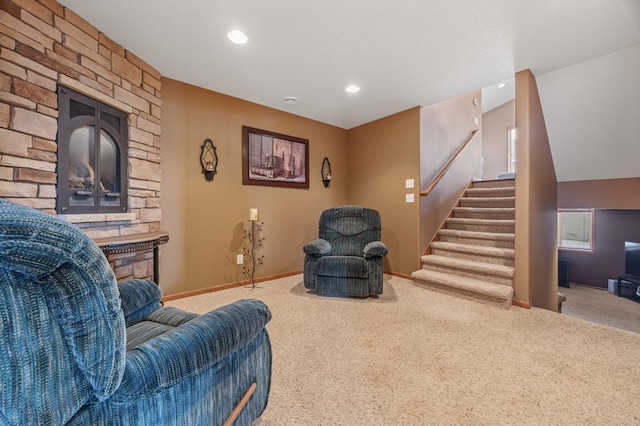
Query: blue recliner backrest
x,y
62,332
349,229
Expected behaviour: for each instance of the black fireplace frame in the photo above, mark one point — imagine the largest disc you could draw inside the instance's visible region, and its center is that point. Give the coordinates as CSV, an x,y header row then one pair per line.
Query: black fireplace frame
x,y
107,119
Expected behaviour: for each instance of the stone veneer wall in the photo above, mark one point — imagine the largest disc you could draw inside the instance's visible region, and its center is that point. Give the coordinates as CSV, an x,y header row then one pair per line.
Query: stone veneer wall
x,y
42,45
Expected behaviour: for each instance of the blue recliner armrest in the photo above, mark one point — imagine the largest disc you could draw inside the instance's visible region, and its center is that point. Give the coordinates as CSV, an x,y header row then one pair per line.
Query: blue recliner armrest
x,y
375,249
318,247
191,347
195,373
138,299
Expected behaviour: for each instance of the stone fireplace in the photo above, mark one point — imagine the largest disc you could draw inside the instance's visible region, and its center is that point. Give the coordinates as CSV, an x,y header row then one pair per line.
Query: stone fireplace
x,y
43,47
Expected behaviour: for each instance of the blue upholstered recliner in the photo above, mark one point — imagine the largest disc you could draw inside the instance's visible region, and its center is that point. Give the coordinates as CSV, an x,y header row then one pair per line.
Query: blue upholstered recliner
x,y
76,348
347,257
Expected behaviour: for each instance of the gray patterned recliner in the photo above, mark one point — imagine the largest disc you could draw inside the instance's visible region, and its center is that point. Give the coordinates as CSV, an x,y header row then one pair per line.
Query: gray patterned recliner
x,y
347,257
77,348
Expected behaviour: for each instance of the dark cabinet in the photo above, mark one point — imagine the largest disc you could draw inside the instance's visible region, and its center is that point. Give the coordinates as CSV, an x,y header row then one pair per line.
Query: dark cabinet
x,y
564,272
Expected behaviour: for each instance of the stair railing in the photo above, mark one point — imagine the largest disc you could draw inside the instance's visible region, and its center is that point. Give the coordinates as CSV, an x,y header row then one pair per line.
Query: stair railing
x,y
447,166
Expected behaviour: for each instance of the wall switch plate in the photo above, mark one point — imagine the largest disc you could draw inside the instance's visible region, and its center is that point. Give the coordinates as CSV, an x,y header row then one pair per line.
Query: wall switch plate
x,y
408,183
239,259
409,198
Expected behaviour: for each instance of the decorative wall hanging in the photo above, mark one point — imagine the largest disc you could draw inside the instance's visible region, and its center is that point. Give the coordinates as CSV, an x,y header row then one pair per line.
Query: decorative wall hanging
x,y
273,159
325,170
208,159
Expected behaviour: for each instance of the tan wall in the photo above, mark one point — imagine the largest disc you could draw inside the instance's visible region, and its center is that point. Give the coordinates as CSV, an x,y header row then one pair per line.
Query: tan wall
x,y
494,139
536,201
206,220
600,194
383,154
445,127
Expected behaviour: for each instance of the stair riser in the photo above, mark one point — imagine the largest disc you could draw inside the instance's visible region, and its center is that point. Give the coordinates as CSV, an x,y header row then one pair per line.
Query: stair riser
x,y
488,203
503,303
506,261
508,215
469,274
506,183
490,192
478,242
498,229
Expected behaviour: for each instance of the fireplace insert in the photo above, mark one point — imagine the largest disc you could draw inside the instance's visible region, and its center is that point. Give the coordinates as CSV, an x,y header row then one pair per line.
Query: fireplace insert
x,y
92,155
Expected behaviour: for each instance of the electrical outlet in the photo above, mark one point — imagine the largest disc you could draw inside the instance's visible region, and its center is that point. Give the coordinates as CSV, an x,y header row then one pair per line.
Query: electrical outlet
x,y
409,198
408,183
239,259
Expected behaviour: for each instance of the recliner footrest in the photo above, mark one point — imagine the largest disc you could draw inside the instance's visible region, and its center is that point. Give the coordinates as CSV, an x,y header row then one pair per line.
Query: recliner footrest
x,y
357,287
343,266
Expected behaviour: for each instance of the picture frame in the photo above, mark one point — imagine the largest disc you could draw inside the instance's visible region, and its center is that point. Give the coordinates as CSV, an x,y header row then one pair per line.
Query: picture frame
x,y
274,159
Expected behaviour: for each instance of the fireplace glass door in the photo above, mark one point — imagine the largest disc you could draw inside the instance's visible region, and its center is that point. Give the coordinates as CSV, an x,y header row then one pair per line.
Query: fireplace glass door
x,y
92,156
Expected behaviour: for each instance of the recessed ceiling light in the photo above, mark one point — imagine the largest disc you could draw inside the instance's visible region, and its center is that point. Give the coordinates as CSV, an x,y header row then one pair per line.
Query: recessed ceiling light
x,y
290,100
238,37
352,88
501,85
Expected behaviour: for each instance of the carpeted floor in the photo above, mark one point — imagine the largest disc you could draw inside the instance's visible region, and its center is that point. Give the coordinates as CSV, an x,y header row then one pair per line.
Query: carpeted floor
x,y
416,357
600,306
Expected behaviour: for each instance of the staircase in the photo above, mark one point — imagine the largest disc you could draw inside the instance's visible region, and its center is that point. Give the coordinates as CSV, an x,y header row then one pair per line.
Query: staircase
x,y
473,253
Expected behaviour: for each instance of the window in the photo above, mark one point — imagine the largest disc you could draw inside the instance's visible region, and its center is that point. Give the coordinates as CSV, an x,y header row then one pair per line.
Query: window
x,y
575,229
511,149
92,161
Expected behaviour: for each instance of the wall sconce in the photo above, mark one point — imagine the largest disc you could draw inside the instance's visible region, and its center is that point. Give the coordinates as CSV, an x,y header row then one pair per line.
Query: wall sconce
x,y
326,172
208,159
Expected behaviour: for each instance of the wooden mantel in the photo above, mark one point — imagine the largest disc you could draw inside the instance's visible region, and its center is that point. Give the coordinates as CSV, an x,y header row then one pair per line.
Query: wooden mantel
x,y
135,243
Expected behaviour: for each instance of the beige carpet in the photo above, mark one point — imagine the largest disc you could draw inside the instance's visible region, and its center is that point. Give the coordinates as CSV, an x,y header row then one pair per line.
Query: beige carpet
x,y
600,306
422,357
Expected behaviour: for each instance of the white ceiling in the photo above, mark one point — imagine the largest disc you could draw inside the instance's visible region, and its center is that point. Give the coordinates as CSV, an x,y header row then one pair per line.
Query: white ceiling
x,y
498,94
402,53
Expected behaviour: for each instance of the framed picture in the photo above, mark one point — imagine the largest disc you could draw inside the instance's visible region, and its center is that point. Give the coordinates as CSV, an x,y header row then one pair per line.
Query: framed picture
x,y
273,159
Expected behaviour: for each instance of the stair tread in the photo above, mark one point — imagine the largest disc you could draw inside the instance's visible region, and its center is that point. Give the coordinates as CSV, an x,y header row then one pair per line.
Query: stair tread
x,y
494,183
484,195
511,180
478,235
482,221
470,265
468,248
487,199
467,284
486,209
491,189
